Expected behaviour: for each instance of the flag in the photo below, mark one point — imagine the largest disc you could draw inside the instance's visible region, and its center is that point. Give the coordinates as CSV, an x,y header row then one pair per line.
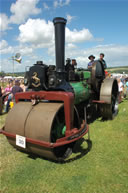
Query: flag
x,y
18,60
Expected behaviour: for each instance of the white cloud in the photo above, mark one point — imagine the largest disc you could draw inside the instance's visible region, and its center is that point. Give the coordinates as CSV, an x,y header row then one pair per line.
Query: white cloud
x,y
6,65
71,46
5,48
51,50
60,3
115,55
27,54
4,21
55,4
69,18
41,33
22,9
45,6
24,50
3,44
78,36
37,32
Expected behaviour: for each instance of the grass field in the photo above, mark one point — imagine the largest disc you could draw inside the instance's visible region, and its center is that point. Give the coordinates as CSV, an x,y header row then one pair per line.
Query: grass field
x,y
118,69
98,166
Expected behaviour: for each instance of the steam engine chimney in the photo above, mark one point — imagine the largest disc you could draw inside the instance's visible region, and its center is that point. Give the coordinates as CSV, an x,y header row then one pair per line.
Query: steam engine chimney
x,y
59,24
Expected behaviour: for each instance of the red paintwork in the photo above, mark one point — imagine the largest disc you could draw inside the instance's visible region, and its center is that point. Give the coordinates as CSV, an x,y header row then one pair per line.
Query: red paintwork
x,y
68,99
59,142
97,101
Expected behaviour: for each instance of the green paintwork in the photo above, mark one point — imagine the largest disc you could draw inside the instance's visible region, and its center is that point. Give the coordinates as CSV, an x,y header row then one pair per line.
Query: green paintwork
x,y
63,130
86,74
58,131
81,91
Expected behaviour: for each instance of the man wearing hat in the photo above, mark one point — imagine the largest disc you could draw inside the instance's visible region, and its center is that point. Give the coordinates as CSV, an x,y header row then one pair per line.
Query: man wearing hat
x,y
91,58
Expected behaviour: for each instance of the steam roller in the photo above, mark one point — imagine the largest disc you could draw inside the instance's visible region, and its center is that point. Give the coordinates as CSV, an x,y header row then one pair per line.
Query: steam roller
x,y
52,115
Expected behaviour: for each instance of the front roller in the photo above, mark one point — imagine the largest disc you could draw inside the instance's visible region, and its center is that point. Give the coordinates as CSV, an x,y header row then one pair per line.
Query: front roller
x,y
41,125
109,94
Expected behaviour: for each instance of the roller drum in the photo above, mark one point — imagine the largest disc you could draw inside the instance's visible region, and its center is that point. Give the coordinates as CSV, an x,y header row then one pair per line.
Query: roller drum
x,y
33,122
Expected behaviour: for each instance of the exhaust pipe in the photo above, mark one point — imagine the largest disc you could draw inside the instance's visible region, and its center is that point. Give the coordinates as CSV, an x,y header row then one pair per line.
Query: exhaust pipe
x,y
59,24
60,75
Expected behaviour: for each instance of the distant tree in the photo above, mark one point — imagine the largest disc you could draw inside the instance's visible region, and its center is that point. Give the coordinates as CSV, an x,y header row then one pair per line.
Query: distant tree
x,y
2,73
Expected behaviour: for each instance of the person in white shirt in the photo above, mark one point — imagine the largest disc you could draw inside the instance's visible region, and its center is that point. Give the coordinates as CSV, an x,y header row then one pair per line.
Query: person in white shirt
x,y
120,87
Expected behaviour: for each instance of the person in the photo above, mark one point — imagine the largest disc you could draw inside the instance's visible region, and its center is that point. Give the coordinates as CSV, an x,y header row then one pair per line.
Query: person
x,y
68,64
8,88
15,89
126,84
22,85
91,58
6,92
125,88
0,91
74,64
102,60
1,104
68,68
120,86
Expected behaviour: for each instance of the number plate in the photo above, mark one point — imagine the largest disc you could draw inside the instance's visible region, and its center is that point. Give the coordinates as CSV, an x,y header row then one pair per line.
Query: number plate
x,y
21,141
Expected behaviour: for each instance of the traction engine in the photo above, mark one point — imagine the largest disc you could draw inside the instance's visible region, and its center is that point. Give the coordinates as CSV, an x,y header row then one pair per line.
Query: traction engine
x,y
52,114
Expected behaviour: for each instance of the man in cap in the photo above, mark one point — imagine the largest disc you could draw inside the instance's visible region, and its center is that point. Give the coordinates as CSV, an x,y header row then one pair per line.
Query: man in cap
x,y
91,58
102,60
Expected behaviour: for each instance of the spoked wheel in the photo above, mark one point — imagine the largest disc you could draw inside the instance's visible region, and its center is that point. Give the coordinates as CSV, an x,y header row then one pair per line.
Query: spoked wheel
x,y
109,94
109,111
58,131
114,105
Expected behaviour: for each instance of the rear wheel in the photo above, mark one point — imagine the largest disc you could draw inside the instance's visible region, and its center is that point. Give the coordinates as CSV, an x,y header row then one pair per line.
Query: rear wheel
x,y
109,94
109,111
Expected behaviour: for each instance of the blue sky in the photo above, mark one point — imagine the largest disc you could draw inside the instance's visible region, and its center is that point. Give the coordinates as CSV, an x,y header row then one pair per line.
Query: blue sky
x,y
93,26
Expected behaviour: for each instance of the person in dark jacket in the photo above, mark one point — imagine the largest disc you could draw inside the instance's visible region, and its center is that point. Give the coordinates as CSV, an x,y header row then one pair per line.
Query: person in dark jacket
x,y
16,88
102,60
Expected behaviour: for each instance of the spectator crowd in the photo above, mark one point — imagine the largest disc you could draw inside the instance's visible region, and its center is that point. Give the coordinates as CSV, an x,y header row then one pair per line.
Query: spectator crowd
x,y
7,94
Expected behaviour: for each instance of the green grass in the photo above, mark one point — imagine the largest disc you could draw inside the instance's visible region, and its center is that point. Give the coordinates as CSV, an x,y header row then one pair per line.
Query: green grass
x,y
104,169
120,69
